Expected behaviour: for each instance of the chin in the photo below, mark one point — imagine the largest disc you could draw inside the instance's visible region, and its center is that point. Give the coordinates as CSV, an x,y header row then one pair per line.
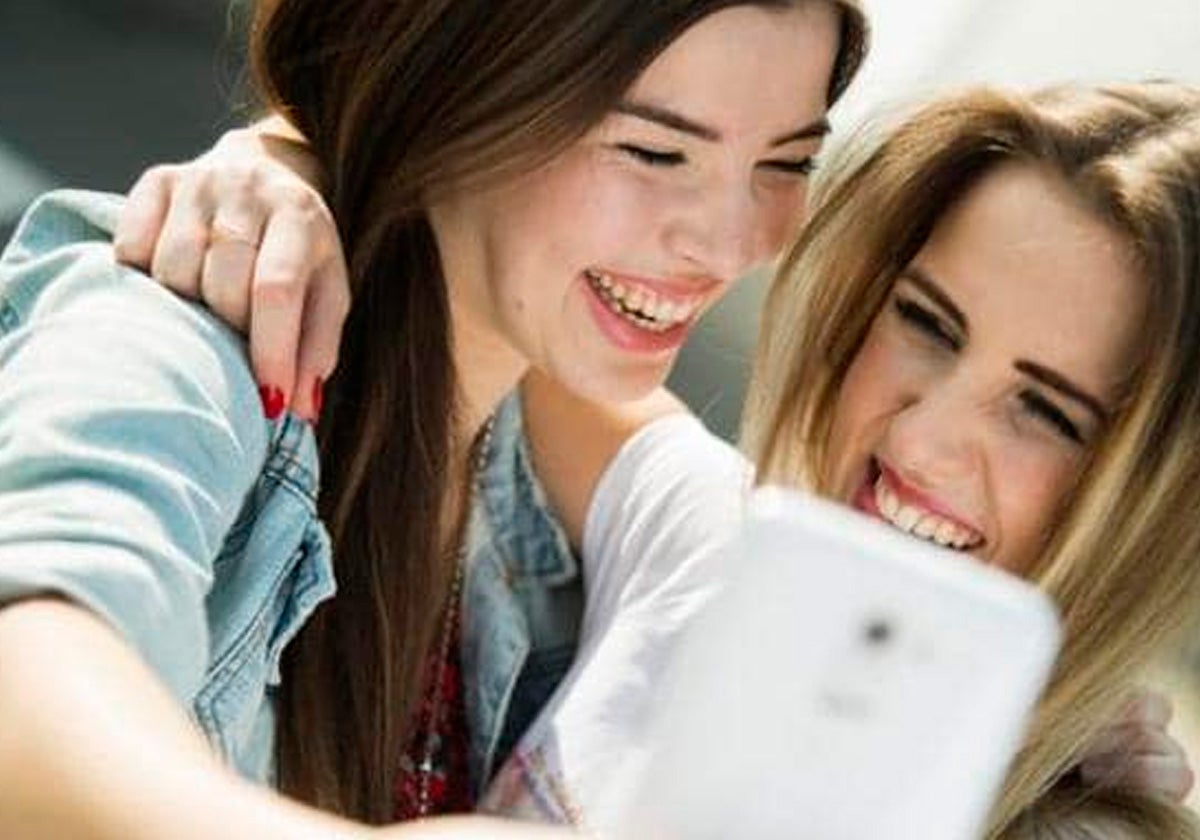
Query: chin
x,y
614,387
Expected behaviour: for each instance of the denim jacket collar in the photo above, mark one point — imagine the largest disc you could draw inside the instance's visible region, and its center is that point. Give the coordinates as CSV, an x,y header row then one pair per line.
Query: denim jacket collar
x,y
522,596
528,539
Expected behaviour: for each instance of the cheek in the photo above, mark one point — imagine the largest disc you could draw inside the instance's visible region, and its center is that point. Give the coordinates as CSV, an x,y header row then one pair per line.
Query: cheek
x,y
595,210
543,229
781,217
867,396
878,377
1030,488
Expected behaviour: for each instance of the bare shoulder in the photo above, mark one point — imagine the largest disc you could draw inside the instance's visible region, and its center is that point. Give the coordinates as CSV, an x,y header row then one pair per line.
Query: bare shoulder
x,y
572,440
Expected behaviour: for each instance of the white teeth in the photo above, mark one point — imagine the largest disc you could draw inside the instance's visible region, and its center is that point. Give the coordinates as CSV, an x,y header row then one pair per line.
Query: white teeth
x,y
641,306
886,500
945,534
908,517
920,523
662,311
925,527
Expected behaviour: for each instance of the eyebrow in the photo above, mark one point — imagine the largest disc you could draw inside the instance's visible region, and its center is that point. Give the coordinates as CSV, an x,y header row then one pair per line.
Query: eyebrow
x,y
920,278
1055,380
678,122
1050,378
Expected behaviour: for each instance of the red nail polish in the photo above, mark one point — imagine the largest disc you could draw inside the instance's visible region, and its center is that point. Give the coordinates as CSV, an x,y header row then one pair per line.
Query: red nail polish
x,y
273,401
318,398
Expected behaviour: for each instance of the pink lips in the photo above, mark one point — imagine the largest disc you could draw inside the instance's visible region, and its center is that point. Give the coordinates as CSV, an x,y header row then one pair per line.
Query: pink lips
x,y
864,498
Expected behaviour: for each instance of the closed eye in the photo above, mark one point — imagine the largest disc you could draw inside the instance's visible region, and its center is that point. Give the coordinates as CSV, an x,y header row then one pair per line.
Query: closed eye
x,y
927,322
651,157
806,166
1051,415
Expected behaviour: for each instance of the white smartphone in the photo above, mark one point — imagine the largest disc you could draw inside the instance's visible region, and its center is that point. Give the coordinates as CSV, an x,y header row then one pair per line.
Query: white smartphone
x,y
849,683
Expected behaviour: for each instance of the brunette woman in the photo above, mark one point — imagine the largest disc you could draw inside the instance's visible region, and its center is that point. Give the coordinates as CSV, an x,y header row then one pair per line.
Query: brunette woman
x,y
476,156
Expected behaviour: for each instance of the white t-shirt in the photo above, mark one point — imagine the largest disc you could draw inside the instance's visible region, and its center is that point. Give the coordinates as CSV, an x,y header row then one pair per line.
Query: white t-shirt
x,y
667,501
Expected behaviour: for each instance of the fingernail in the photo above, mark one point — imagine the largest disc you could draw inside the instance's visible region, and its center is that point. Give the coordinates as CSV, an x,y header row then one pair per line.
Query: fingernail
x,y
273,401
318,398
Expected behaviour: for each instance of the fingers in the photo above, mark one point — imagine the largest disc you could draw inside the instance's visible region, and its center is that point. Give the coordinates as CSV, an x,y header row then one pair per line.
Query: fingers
x,y
1165,776
300,301
179,254
277,307
324,316
142,217
228,268
1148,707
1146,759
246,234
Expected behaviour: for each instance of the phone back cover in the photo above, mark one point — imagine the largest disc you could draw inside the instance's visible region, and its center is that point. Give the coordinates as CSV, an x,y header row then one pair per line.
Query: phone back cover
x,y
850,683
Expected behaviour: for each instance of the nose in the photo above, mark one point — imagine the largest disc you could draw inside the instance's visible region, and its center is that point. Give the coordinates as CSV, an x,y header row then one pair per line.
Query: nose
x,y
935,438
724,233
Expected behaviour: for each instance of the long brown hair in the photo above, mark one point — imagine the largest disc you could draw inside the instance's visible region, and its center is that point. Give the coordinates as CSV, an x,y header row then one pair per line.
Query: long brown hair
x,y
1122,562
401,100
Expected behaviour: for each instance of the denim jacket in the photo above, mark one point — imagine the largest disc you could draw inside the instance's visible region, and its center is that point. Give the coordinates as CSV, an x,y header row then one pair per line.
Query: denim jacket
x,y
139,478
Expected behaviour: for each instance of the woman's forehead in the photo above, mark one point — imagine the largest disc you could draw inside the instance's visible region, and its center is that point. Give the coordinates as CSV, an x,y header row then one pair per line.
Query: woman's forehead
x,y
1033,268
747,70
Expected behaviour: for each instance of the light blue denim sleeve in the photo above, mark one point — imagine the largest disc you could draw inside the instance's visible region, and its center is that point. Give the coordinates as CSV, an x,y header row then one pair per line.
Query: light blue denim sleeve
x,y
130,435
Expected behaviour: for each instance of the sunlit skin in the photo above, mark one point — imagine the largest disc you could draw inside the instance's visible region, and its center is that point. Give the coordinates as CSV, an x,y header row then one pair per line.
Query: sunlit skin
x,y
992,369
699,175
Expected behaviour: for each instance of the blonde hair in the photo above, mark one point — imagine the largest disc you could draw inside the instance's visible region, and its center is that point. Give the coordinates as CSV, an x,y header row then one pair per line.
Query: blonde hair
x,y
1124,561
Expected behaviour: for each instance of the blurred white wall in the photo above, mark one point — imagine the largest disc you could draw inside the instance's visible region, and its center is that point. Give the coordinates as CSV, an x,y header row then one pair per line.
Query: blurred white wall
x,y
920,47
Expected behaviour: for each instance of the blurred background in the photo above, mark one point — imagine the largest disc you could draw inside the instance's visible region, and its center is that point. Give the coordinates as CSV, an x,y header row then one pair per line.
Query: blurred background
x,y
94,91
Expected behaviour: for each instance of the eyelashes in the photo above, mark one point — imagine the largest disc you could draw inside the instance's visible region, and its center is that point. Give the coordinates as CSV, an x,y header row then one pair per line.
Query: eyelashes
x,y
1033,402
661,159
651,157
804,166
927,322
1048,412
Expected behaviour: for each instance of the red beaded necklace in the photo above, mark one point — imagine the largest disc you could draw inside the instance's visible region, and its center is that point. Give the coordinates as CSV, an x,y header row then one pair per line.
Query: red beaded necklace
x,y
434,771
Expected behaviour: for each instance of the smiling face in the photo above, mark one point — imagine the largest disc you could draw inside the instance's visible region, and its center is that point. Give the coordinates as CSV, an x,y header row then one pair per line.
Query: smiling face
x,y
595,266
990,371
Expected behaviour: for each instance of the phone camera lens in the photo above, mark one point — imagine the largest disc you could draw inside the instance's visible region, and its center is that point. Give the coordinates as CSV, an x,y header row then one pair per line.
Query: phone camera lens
x,y
878,632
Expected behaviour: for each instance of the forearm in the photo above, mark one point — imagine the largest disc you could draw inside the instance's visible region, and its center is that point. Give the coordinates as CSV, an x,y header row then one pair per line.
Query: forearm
x,y
93,747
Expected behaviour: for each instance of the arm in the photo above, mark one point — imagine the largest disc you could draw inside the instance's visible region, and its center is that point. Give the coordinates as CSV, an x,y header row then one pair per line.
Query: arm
x,y
128,442
129,439
93,747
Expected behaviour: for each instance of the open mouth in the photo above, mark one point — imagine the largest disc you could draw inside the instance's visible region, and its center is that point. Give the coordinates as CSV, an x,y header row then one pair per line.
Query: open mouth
x,y
912,518
640,306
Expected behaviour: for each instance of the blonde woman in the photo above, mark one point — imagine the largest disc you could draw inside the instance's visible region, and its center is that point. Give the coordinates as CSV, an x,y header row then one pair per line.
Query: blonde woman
x,y
1004,360
1108,442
